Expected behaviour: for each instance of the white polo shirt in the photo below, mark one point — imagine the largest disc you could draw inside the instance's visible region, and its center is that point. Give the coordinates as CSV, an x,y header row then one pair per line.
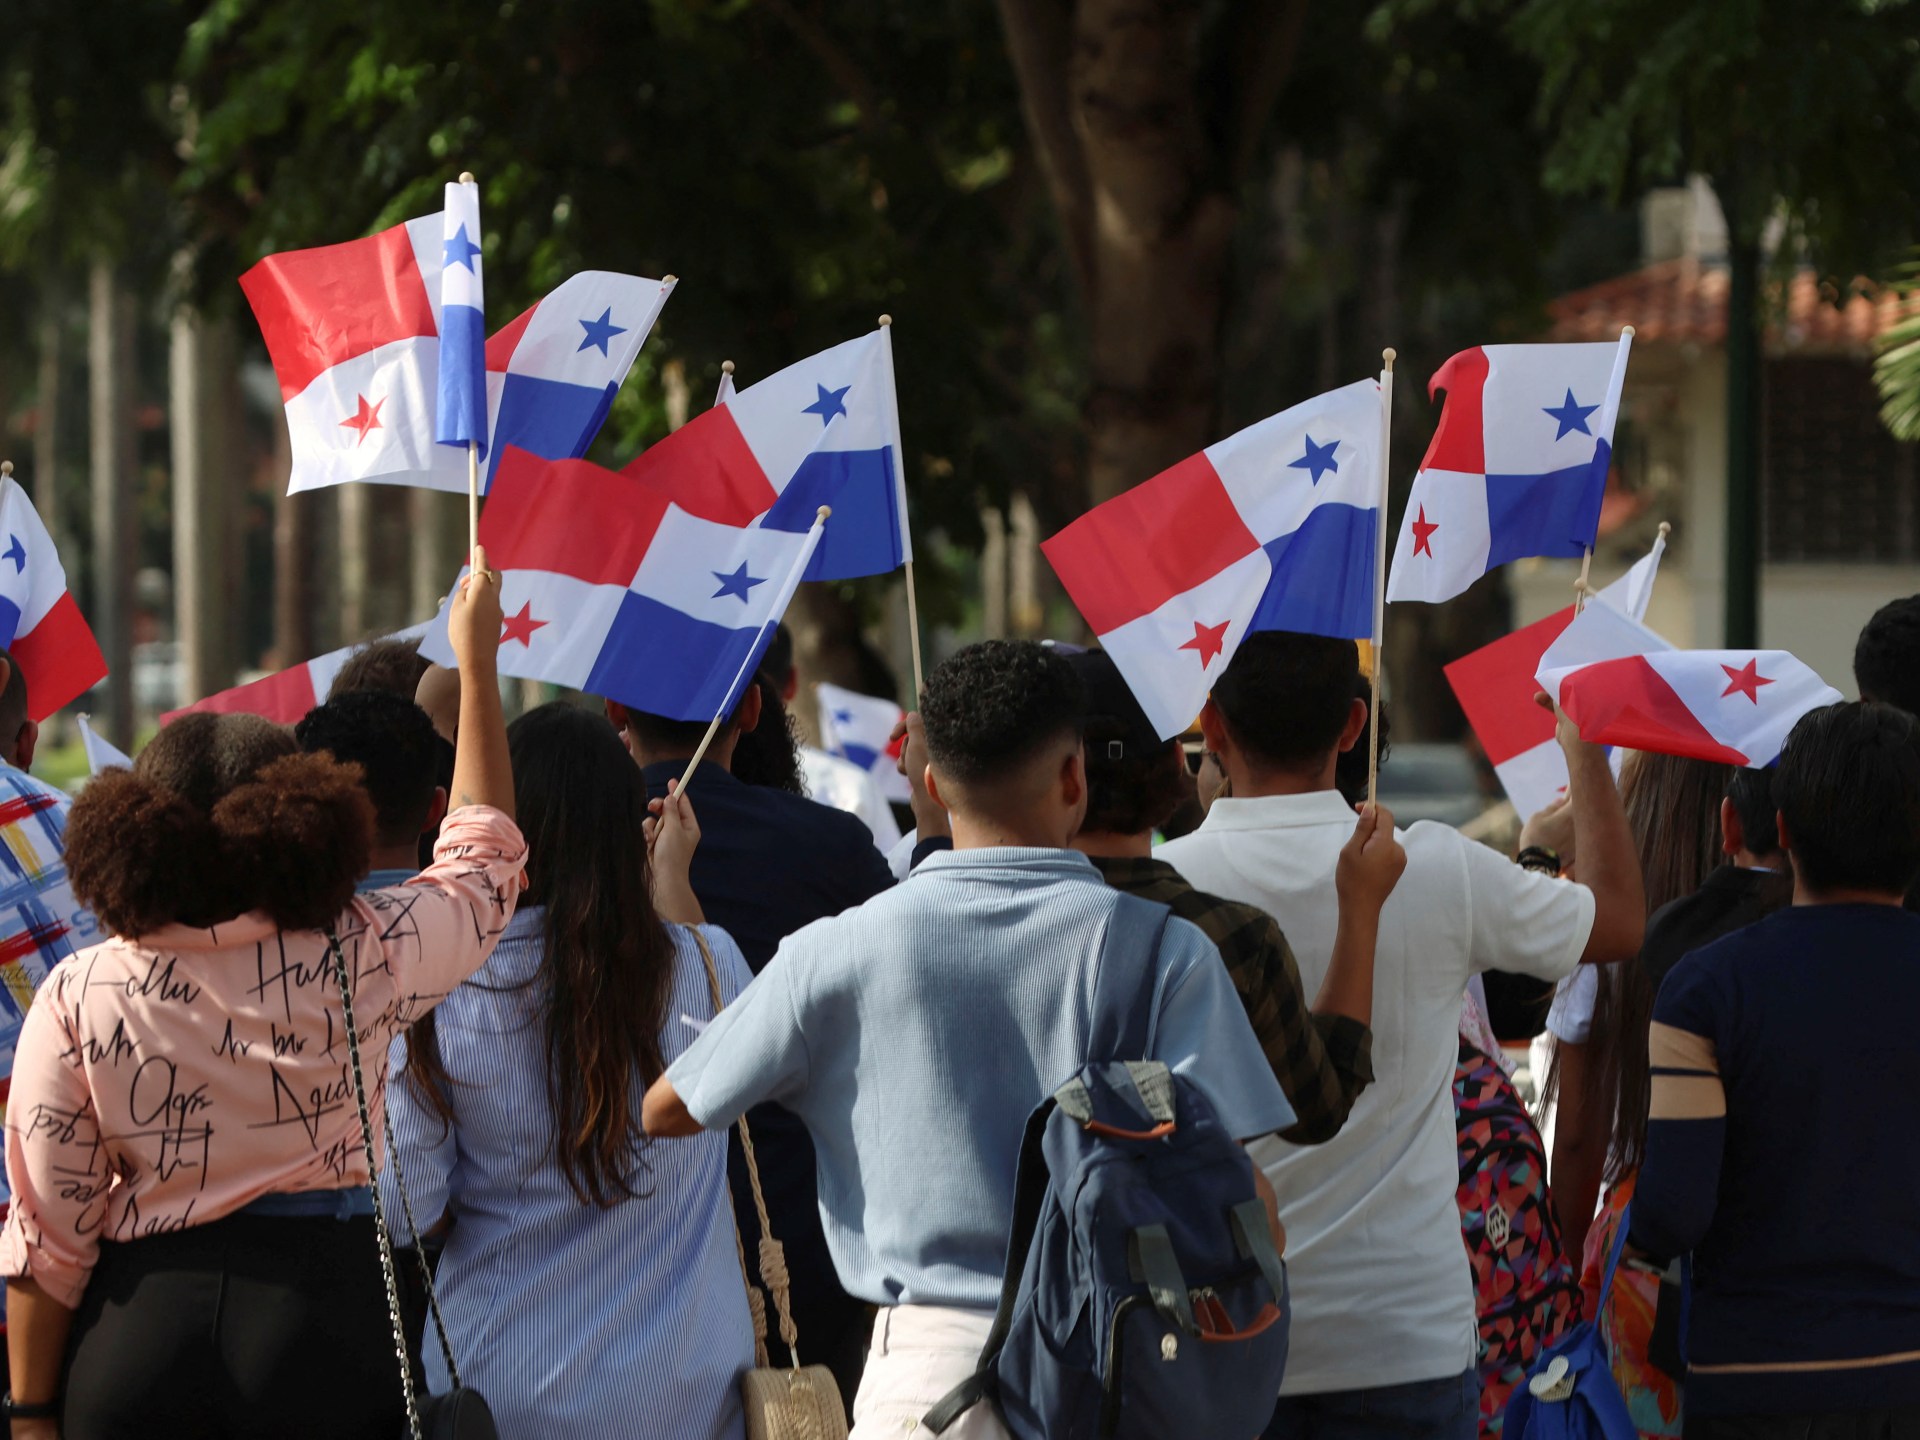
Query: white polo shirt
x,y
1382,1292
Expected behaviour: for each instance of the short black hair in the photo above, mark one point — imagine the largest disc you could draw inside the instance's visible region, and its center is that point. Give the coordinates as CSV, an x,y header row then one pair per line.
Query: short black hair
x,y
392,741
1350,766
993,706
777,663
1135,780
1286,697
1848,788
1886,658
387,664
658,732
1751,794
13,701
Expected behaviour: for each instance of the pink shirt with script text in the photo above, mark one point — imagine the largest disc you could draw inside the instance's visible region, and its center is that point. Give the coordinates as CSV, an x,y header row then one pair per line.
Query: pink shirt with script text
x,y
169,1080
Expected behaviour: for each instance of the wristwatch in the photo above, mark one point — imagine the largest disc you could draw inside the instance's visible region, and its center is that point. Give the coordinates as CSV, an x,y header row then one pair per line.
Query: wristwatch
x,y
1539,859
12,1409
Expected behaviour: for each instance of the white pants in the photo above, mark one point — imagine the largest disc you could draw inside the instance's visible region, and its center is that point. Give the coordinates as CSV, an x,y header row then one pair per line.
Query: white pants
x,y
919,1353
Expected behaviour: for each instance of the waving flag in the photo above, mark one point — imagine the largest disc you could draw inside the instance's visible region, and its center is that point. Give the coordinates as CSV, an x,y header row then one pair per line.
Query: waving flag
x,y
559,365
1732,707
354,334
1517,465
823,432
462,410
1271,529
859,728
40,625
101,753
285,696
1495,686
610,587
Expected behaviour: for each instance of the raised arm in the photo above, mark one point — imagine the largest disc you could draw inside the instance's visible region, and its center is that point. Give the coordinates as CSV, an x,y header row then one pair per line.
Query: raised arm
x,y
1609,864
482,774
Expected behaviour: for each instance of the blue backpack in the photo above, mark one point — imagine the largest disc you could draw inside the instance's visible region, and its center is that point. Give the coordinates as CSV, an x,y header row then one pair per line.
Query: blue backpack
x,y
1143,1293
1570,1394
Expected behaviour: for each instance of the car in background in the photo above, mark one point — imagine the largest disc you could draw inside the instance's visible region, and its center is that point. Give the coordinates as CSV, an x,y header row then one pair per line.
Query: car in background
x,y
1426,781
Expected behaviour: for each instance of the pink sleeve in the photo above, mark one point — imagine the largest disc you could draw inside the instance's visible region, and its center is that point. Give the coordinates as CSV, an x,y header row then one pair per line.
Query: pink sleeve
x,y
56,1166
440,927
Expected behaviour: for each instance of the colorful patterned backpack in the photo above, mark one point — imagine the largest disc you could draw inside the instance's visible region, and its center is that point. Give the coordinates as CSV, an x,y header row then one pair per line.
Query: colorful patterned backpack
x,y
1526,1291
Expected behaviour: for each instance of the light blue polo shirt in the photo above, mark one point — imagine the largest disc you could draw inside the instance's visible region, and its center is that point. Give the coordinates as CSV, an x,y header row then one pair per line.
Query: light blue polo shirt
x,y
915,1034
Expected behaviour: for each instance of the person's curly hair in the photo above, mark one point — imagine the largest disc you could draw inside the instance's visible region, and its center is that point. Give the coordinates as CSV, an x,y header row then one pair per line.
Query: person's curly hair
x,y
220,816
993,706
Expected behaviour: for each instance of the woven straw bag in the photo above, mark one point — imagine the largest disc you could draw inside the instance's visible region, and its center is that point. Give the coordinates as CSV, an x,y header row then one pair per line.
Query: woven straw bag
x,y
802,1403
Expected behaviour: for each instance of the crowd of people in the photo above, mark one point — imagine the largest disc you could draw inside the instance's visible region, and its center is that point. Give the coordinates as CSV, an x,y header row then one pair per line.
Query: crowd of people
x,y
570,975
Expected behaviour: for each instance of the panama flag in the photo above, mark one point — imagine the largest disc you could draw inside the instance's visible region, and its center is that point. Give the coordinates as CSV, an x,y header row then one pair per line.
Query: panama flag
x,y
1731,707
40,625
859,728
462,409
611,588
1517,465
1495,685
1271,529
557,367
825,431
285,696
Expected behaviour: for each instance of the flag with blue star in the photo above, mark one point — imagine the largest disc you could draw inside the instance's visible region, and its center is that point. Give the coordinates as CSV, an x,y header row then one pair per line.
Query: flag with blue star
x,y
460,416
41,627
824,431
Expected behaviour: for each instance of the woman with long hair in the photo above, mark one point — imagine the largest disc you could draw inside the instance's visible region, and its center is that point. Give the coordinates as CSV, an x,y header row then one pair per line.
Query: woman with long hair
x,y
1600,1075
590,1280
191,1248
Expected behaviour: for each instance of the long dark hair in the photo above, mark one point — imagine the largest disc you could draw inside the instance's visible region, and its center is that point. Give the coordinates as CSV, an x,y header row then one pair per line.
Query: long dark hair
x,y
769,754
1673,810
607,968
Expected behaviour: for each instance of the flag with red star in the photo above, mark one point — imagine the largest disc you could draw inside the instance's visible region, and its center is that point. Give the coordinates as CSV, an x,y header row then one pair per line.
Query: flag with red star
x,y
1273,528
1734,707
610,587
1517,463
285,696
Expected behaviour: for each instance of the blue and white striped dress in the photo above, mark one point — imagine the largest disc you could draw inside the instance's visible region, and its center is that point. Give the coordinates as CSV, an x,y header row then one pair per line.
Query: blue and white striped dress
x,y
572,1320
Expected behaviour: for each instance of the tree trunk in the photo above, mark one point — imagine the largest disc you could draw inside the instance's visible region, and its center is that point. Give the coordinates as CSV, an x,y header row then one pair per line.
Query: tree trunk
x,y
1743,438
439,534
113,458
292,591
1116,97
206,578
46,428
356,555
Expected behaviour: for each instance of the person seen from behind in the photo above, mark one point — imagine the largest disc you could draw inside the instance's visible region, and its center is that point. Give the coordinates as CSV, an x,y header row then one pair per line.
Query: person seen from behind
x,y
191,1250
518,1129
916,1034
393,742
1886,667
1786,1092
1321,1056
1385,1333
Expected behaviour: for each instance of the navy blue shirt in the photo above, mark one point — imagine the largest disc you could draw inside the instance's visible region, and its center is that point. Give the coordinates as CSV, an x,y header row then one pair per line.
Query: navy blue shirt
x,y
1783,1150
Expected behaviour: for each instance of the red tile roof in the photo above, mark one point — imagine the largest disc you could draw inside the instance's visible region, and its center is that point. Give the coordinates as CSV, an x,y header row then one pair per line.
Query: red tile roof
x,y
1684,301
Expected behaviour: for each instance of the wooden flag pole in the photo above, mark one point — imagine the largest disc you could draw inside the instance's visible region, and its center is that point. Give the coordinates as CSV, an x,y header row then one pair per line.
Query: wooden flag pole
x,y
473,465
913,600
793,579
1379,581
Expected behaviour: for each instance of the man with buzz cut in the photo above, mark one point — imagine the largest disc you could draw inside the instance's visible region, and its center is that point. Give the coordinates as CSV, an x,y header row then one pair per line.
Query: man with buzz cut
x,y
915,1034
1385,1339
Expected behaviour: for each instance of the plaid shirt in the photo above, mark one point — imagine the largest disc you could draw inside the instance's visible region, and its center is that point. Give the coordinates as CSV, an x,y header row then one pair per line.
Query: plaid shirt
x,y
40,921
1322,1062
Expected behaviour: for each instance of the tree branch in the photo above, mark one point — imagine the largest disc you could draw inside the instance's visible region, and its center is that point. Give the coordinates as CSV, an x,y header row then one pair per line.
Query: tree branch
x,y
1039,40
846,72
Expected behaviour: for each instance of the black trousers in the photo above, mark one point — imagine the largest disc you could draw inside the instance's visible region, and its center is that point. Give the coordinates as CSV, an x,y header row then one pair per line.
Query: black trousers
x,y
1899,1423
245,1327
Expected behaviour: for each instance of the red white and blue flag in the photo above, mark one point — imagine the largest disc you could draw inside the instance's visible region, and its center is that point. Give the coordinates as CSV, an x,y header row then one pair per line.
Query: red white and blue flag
x,y
859,728
354,332
285,696
40,625
1731,707
1517,466
825,431
1273,528
1495,684
462,405
612,588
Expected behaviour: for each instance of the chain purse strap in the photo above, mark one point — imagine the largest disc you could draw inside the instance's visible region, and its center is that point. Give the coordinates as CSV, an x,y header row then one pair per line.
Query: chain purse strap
x,y
345,985
773,1256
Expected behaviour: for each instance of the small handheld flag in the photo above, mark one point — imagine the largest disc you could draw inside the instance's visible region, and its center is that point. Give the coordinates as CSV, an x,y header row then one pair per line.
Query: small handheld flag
x,y
859,728
462,412
823,431
285,696
101,754
1271,529
1517,466
40,625
1731,707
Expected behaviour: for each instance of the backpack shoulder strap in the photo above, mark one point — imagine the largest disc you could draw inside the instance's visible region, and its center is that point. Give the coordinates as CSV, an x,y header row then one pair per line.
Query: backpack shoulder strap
x,y
1122,1024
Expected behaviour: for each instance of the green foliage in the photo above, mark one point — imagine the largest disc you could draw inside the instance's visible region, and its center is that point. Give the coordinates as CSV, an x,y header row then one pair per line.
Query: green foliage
x,y
1897,368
